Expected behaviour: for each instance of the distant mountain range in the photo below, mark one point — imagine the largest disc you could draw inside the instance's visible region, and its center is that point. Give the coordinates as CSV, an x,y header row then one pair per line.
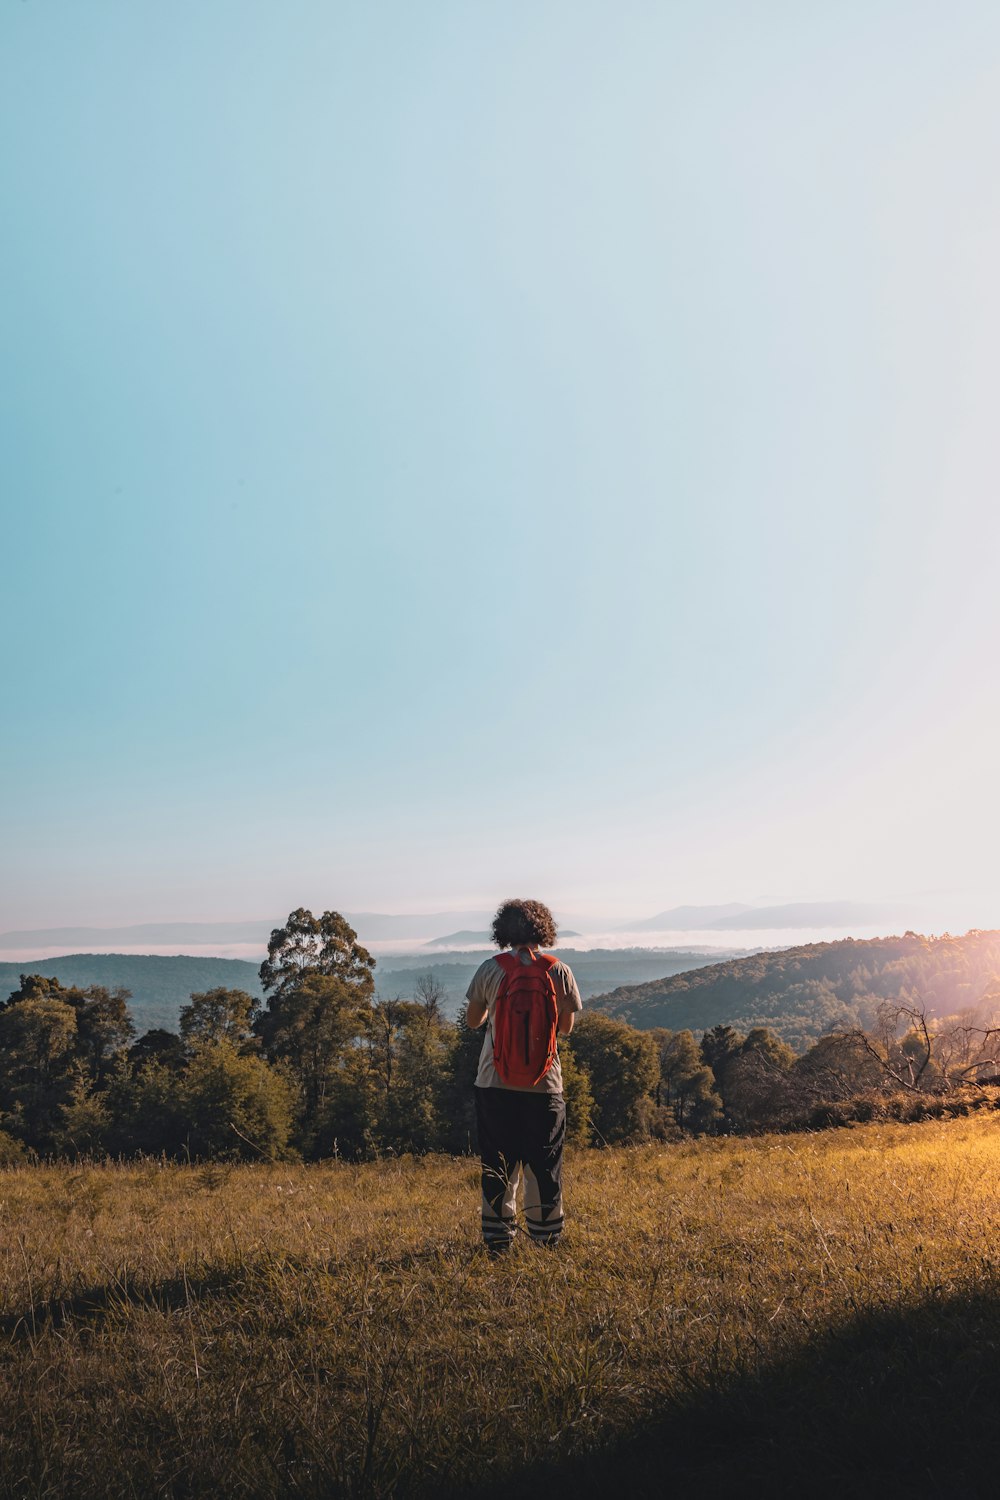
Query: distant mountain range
x,y
465,926
467,939
815,914
737,916
459,940
375,927
372,927
158,934
686,918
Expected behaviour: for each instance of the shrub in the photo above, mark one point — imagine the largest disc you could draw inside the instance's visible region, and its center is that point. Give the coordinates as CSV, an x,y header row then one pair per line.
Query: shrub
x,y
233,1105
12,1153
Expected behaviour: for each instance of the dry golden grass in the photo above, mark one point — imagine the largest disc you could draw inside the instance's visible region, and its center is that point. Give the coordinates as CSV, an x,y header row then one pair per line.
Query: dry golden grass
x,y
334,1330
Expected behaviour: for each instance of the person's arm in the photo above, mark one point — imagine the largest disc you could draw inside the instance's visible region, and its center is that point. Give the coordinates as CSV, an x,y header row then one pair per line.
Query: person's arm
x,y
477,995
569,1001
476,1012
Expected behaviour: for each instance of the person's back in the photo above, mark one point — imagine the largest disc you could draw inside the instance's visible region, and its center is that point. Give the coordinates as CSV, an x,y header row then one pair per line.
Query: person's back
x,y
526,999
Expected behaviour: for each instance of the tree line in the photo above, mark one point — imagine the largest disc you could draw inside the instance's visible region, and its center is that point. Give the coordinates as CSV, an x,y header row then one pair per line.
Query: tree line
x,y
323,1067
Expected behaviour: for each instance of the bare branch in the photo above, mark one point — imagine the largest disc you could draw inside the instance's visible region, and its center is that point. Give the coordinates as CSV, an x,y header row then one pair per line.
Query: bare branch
x,y
883,1062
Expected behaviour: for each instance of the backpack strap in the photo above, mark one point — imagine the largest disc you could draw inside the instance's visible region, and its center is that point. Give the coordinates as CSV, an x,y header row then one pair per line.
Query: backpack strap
x,y
509,962
548,962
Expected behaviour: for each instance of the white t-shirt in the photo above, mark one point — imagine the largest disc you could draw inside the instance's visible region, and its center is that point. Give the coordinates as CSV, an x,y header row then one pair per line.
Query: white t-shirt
x,y
484,988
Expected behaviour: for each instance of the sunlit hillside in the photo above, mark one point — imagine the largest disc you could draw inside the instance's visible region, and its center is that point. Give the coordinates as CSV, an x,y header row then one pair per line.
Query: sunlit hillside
x,y
804,992
817,1315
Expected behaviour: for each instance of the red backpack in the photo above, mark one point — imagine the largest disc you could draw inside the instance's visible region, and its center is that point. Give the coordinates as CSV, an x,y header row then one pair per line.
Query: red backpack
x,y
525,1016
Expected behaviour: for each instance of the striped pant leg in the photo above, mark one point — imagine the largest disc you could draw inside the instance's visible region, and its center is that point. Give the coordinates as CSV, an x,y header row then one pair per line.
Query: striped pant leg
x,y
498,1207
500,1168
543,1152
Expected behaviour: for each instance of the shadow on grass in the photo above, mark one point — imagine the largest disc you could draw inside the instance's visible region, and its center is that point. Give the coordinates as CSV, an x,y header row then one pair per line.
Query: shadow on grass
x,y
93,1304
893,1403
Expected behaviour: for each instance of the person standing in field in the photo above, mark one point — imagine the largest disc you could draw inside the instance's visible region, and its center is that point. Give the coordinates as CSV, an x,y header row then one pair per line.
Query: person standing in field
x,y
527,998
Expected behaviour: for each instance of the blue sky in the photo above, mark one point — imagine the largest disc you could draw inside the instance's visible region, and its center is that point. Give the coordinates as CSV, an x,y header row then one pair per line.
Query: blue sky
x,y
454,450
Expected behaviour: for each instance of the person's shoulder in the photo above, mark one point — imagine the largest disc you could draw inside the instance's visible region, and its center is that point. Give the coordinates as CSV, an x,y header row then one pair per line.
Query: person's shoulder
x,y
484,981
563,972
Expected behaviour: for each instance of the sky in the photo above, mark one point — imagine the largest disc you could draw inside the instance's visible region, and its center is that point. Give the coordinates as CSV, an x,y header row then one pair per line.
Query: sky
x,y
455,451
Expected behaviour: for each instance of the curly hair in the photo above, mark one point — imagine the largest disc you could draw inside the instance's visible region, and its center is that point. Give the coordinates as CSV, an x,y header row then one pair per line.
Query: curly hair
x,y
523,922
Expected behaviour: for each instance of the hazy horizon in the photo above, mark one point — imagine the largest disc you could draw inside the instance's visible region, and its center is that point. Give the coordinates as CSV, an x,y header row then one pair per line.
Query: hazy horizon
x,y
388,935
427,919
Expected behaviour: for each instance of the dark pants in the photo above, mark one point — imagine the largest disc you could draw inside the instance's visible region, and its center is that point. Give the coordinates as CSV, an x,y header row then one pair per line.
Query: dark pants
x,y
521,1130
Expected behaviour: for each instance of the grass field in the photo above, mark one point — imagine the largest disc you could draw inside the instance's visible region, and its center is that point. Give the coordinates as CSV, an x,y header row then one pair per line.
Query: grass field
x,y
786,1315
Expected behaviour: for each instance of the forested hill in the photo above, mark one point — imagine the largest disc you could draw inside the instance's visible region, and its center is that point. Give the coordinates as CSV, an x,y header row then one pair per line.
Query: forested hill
x,y
160,984
802,993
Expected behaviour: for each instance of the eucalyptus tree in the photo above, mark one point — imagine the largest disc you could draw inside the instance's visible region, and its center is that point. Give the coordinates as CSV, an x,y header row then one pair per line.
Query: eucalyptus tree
x,y
319,984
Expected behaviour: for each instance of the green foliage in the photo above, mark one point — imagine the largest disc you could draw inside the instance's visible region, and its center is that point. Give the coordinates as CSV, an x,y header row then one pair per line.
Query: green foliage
x,y
37,1067
416,1118
319,982
11,1151
578,1094
325,1068
147,1115
233,1106
58,1048
754,1082
762,1043
103,1028
836,1067
103,1024
159,1046
312,1028
623,1068
805,992
318,945
687,1083
85,1122
158,983
459,1101
342,1124
719,1048
219,1015
750,1074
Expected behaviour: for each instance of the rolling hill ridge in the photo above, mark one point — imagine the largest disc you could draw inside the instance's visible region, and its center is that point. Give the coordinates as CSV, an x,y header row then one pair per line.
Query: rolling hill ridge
x,y
804,992
161,984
